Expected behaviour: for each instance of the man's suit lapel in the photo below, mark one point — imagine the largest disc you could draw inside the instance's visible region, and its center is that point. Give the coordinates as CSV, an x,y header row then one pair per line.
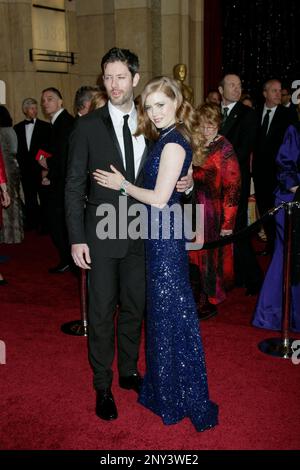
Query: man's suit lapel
x,y
23,144
34,134
60,117
111,131
275,120
232,119
273,124
105,116
143,159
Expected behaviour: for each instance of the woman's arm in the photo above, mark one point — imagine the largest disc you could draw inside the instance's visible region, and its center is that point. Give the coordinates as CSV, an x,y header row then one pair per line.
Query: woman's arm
x,y
13,141
231,180
172,159
4,196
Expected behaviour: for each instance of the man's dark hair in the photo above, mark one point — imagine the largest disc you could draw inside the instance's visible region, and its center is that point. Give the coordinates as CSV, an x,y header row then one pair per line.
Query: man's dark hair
x,y
123,55
82,95
54,90
222,81
287,88
5,117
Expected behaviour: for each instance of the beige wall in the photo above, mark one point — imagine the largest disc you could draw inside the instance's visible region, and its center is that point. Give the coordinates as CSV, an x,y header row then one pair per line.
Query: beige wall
x,y
162,33
17,70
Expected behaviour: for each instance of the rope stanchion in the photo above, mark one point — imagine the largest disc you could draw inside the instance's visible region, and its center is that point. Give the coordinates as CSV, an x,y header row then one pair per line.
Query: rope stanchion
x,y
282,346
245,232
79,327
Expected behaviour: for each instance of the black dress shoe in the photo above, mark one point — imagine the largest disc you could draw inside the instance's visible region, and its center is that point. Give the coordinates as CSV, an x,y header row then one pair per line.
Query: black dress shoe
x,y
131,382
59,269
105,405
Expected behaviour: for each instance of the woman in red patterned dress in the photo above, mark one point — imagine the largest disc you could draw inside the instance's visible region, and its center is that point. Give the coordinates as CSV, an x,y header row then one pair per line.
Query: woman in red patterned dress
x,y
4,199
216,177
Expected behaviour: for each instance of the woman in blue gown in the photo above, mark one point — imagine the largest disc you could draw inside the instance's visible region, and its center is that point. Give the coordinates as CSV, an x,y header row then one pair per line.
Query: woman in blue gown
x,y
268,312
175,384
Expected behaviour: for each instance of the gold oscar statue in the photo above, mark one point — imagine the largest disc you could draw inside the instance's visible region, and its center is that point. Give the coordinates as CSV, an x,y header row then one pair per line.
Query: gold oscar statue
x,y
179,72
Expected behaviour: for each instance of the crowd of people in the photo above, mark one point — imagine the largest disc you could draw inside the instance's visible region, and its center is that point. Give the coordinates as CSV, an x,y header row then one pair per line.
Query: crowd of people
x,y
159,151
35,185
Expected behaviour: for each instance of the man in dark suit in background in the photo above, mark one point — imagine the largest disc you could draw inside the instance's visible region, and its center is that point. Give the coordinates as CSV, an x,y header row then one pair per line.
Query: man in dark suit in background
x,y
117,265
274,118
286,101
239,126
61,125
83,99
33,135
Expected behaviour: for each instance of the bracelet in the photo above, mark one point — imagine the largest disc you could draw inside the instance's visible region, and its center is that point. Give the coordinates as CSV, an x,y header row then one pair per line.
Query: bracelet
x,y
123,188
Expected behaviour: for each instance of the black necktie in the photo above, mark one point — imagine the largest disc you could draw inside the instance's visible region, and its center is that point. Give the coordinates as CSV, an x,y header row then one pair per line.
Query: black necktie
x,y
225,115
29,122
265,123
128,147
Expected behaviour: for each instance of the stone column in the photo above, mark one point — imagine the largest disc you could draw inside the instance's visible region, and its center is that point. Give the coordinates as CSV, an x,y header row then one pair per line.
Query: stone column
x,y
19,73
15,67
182,40
196,41
95,36
162,33
134,31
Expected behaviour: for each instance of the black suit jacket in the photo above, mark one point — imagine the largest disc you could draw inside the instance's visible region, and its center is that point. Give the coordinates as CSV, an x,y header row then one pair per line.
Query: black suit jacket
x,y
240,128
41,138
264,157
94,145
57,164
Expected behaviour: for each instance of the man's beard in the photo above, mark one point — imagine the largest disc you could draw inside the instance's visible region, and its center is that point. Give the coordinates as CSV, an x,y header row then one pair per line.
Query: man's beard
x,y
122,99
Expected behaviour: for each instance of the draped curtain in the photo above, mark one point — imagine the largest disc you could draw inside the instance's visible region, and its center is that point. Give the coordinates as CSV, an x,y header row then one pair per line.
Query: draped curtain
x,y
212,44
257,40
260,41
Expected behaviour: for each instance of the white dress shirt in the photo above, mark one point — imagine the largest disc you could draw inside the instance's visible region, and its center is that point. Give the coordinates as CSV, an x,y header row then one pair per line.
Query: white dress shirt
x,y
138,142
229,106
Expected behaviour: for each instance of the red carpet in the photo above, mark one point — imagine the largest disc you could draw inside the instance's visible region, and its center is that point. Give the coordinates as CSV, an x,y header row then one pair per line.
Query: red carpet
x,y
47,400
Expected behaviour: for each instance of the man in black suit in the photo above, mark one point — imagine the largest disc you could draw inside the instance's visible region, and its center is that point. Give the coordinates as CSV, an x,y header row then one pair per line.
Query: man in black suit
x,y
33,135
239,126
61,125
274,120
117,272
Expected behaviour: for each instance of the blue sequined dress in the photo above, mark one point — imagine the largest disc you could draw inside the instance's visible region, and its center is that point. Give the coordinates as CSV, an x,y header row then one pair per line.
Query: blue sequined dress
x,y
175,384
